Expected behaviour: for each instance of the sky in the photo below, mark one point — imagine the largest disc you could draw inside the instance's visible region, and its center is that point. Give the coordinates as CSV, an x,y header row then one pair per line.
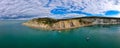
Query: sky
x,y
28,9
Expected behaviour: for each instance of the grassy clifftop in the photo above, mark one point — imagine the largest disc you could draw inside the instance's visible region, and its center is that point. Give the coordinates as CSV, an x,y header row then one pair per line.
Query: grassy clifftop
x,y
45,20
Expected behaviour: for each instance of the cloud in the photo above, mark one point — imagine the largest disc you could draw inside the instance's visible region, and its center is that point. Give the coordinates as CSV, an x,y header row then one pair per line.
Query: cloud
x,y
38,8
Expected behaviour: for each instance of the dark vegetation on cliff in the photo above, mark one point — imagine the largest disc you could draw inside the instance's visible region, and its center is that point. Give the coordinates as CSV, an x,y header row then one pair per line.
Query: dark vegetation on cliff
x,y
45,20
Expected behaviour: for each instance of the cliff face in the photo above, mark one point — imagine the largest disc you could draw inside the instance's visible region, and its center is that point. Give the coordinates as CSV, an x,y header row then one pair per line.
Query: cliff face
x,y
67,24
60,24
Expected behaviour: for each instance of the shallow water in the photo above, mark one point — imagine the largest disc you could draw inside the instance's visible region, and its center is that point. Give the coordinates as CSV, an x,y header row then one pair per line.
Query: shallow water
x,y
15,35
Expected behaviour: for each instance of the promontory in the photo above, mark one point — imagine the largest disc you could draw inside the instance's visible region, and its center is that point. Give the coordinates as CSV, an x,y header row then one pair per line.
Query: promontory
x,y
62,24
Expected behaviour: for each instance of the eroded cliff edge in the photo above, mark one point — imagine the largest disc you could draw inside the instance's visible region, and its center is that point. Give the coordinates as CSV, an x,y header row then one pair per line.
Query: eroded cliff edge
x,y
61,24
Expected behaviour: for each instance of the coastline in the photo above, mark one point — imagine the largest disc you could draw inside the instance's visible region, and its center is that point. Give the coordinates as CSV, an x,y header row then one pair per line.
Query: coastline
x,y
64,24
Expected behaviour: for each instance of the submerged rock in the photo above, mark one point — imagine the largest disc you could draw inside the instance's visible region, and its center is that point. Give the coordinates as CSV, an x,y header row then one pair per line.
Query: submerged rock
x,y
62,24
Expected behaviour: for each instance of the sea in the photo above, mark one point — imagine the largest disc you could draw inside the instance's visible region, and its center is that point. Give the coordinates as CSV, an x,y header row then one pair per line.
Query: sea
x,y
15,35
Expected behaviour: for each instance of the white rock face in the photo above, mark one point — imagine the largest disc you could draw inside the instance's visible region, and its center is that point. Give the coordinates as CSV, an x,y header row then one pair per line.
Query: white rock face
x,y
17,9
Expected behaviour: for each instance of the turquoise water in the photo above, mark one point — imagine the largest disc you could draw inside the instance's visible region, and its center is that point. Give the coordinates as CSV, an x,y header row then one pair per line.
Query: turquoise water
x,y
15,35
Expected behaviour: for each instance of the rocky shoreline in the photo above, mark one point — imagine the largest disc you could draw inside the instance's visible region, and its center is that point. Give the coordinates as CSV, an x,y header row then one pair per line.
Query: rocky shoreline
x,y
63,24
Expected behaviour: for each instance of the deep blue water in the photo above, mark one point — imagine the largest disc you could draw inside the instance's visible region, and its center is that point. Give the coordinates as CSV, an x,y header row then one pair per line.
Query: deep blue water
x,y
15,35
